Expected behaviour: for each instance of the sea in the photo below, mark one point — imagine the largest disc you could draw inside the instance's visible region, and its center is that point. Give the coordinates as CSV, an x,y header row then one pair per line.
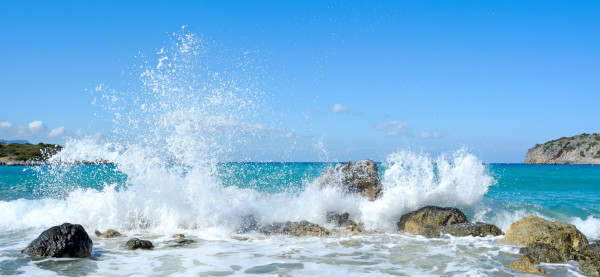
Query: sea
x,y
184,128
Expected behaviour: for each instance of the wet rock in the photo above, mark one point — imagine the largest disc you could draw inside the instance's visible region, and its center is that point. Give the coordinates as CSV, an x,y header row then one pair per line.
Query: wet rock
x,y
178,236
478,229
336,219
425,221
543,253
352,228
180,242
591,267
136,243
110,233
589,259
526,264
360,177
63,241
563,236
248,224
302,228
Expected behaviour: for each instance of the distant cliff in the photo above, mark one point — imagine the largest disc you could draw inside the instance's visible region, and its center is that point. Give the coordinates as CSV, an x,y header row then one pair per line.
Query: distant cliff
x,y
581,149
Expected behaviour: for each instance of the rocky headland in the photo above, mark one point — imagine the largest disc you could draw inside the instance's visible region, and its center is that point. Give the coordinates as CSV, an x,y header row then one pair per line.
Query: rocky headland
x,y
26,153
580,149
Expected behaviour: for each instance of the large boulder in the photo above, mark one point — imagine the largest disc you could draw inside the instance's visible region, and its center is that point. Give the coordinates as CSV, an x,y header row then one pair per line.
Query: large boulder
x,y
63,241
302,228
360,177
589,259
425,221
563,236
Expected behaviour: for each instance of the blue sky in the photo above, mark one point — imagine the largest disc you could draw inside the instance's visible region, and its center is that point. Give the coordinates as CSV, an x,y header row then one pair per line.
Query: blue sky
x,y
361,79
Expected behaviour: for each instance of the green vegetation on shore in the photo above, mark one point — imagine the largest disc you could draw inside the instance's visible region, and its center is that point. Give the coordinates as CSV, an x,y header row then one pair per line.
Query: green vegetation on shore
x,y
579,149
28,151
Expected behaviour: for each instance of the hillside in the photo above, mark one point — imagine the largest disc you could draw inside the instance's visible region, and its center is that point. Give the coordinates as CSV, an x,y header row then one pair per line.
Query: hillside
x,y
580,149
22,154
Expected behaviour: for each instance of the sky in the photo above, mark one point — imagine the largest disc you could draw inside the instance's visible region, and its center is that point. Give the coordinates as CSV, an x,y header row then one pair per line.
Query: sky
x,y
352,79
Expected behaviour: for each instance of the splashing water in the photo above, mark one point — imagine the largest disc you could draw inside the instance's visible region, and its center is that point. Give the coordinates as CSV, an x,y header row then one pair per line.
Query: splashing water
x,y
179,126
178,121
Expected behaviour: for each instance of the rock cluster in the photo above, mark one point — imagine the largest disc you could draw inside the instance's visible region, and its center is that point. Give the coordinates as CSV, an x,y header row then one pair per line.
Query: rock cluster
x,y
547,242
63,241
563,236
433,221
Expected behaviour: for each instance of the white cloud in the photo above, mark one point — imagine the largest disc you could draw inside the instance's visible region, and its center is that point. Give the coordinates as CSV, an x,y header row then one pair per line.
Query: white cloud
x,y
392,128
433,135
57,132
5,125
37,127
339,108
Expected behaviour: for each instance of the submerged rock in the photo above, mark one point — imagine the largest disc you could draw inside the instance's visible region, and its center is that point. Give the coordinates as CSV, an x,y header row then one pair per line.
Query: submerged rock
x,y
526,264
110,233
425,221
589,259
63,241
302,228
136,243
563,236
477,229
180,242
543,253
179,236
360,177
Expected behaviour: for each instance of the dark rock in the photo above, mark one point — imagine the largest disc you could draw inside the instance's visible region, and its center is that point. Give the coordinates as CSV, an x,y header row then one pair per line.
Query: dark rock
x,y
563,236
526,264
425,221
248,224
136,243
589,259
478,229
302,228
543,253
360,177
336,219
63,241
110,233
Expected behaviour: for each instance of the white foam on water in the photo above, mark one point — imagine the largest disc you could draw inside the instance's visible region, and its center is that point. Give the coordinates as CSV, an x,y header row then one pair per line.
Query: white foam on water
x,y
590,226
415,180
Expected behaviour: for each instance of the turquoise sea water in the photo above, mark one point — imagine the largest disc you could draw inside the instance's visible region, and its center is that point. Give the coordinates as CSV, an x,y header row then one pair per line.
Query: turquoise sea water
x,y
560,191
102,196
